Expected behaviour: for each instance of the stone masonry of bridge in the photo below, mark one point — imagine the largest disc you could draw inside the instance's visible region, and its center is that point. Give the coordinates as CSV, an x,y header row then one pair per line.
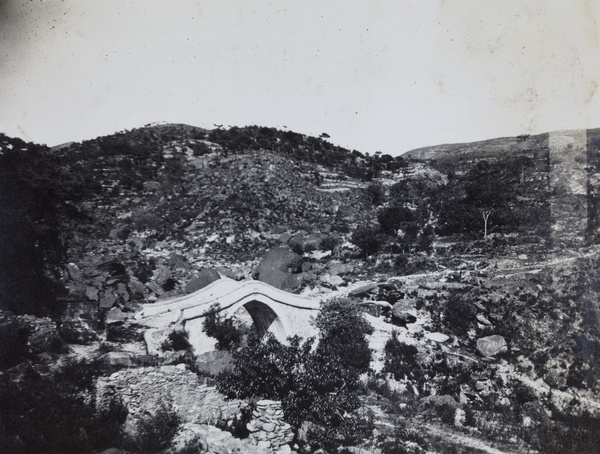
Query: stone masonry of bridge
x,y
272,310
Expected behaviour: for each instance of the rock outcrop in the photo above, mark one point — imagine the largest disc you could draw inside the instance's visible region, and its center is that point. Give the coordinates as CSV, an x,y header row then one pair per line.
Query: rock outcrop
x,y
277,268
491,345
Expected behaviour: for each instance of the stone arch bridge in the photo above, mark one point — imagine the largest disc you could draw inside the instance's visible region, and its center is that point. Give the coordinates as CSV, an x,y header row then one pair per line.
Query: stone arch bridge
x,y
272,310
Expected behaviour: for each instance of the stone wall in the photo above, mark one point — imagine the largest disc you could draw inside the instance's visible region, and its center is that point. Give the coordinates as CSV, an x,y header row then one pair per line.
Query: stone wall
x,y
268,429
144,389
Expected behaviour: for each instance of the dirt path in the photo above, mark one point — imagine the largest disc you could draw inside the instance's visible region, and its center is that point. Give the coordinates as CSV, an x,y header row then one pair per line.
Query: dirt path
x,y
443,437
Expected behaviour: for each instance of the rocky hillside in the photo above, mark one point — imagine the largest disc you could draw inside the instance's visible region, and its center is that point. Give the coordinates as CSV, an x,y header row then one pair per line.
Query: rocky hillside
x,y
483,258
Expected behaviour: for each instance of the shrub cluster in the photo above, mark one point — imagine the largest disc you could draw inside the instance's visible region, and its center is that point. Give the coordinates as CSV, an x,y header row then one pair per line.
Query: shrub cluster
x,y
46,413
318,384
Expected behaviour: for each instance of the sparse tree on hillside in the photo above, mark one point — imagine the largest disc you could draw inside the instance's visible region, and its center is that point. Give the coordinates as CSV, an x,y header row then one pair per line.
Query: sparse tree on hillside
x,y
376,193
486,192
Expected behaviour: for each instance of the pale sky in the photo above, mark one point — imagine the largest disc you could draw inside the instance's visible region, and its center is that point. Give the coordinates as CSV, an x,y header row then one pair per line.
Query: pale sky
x,y
387,75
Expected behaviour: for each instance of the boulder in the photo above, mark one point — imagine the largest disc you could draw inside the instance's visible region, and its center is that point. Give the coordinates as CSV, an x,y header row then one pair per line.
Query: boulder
x,y
236,272
91,293
74,272
363,290
137,243
136,287
483,320
120,233
163,274
437,337
43,336
337,268
285,237
122,292
405,304
332,280
276,278
293,282
122,359
306,243
491,345
155,288
346,211
205,277
111,265
402,318
115,315
438,402
279,258
402,314
151,186
107,300
178,261
275,268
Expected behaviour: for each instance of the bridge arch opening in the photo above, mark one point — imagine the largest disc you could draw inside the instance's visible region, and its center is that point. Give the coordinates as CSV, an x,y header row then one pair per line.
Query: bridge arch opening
x,y
264,319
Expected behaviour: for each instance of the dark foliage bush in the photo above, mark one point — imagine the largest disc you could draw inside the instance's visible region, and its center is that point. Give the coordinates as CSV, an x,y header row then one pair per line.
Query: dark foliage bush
x,y
406,264
124,332
395,217
367,238
400,358
523,393
154,433
319,384
376,193
238,425
342,334
396,443
81,373
177,341
13,343
329,243
459,312
567,434
43,413
223,329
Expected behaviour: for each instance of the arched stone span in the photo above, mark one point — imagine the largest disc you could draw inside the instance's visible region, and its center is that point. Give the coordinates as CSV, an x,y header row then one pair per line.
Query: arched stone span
x,y
265,320
282,313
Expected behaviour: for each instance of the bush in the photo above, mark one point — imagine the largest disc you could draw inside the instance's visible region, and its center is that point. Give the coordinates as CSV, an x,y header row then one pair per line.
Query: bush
x,y
124,332
13,343
155,433
329,243
82,373
223,329
177,341
45,413
317,385
401,438
406,264
238,425
400,358
459,313
342,334
376,193
367,239
107,430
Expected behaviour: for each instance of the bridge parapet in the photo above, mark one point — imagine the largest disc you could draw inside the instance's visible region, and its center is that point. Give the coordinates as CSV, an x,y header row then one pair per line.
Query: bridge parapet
x,y
282,313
